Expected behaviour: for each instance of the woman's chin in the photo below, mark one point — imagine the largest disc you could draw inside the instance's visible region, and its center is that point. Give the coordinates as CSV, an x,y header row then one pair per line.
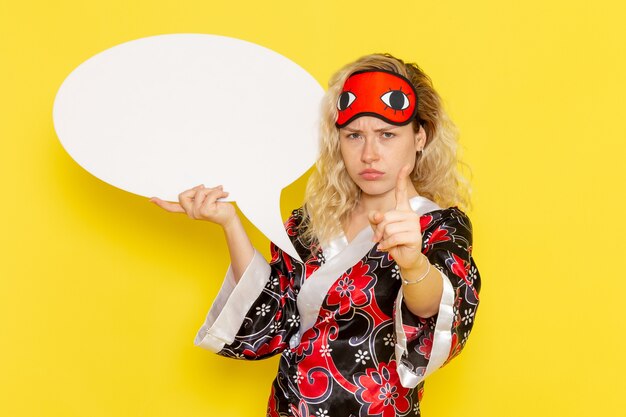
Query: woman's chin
x,y
375,190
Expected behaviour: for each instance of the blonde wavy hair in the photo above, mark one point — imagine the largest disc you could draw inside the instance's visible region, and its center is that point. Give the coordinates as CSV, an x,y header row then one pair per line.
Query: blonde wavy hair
x,y
331,195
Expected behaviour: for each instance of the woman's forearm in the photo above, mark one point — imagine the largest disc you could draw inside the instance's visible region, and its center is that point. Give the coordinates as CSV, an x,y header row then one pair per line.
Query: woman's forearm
x,y
239,246
422,298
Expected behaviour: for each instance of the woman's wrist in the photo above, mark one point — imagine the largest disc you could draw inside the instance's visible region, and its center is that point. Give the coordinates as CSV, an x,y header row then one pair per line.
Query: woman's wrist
x,y
239,246
233,225
422,291
418,270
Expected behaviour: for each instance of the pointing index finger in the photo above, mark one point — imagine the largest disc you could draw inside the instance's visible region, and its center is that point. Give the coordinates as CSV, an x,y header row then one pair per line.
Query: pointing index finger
x,y
402,193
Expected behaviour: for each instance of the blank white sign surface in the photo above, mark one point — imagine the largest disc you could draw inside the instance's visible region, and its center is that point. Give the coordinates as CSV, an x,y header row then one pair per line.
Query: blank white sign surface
x,y
159,115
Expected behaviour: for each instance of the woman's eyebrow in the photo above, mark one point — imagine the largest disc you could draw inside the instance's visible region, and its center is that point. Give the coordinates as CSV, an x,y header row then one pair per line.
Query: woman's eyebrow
x,y
390,127
380,129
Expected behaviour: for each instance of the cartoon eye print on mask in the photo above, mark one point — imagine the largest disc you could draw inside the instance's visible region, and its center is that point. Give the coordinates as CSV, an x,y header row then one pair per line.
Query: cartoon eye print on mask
x,y
386,95
345,100
396,99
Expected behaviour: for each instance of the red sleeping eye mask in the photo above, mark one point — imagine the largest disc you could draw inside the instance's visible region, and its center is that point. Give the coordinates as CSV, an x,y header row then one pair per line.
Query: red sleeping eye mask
x,y
386,95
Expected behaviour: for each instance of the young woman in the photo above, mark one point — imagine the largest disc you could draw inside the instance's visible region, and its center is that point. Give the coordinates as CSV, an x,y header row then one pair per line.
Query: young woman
x,y
388,289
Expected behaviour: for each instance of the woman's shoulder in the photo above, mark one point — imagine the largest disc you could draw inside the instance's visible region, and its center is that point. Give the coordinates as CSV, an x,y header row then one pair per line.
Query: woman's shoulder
x,y
447,217
452,212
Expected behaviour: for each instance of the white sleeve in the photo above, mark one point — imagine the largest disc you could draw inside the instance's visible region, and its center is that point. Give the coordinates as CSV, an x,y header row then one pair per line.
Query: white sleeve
x,y
411,376
232,303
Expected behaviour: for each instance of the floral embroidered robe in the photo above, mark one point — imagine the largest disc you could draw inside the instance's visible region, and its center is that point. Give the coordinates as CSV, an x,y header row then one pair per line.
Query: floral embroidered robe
x,y
348,344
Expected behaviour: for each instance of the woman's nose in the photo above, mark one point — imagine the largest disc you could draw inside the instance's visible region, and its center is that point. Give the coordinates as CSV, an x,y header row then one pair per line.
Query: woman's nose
x,y
370,151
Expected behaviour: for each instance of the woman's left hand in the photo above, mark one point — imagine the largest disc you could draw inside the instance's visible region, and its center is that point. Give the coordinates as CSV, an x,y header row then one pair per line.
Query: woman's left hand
x,y
398,231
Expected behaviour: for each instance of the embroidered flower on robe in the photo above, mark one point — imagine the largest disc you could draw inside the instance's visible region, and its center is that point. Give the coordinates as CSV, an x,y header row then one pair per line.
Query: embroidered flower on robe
x,y
301,411
351,289
458,266
440,234
426,345
381,393
461,269
276,344
455,348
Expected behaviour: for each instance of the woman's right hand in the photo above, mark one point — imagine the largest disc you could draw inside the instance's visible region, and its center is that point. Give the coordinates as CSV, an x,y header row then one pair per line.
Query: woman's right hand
x,y
201,203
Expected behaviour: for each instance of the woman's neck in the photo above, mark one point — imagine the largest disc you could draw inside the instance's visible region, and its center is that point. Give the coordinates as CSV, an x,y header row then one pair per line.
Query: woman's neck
x,y
357,219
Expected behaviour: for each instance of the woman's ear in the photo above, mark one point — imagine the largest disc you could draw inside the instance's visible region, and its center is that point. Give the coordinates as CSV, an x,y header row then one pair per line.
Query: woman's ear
x,y
420,138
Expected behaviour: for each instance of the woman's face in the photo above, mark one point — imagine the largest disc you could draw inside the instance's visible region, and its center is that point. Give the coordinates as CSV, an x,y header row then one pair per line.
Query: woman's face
x,y
374,151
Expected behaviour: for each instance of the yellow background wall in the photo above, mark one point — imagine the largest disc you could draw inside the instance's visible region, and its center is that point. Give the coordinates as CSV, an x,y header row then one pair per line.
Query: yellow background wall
x,y
101,293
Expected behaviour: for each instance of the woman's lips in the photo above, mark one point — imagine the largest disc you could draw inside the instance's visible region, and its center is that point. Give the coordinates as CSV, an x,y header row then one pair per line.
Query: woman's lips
x,y
371,174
